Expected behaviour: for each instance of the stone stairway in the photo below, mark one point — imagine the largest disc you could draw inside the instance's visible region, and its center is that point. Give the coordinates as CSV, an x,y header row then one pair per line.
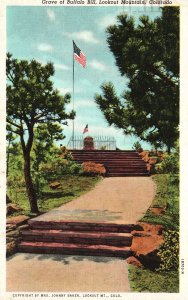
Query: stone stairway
x,y
117,162
77,238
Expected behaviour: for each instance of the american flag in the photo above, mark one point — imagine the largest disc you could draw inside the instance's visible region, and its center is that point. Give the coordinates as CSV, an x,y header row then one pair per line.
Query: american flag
x,y
85,129
79,55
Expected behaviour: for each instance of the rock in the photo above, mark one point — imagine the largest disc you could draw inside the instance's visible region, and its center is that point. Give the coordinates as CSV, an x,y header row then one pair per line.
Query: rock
x,y
157,210
11,208
13,233
10,239
10,227
18,220
134,261
11,248
146,242
152,160
144,155
55,185
23,227
147,227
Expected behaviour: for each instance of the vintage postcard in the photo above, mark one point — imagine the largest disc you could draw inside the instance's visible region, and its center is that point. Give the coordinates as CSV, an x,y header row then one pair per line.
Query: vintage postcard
x,y
94,149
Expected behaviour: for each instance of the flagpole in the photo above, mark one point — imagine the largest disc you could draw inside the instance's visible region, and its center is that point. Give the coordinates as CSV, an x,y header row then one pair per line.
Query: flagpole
x,y
73,94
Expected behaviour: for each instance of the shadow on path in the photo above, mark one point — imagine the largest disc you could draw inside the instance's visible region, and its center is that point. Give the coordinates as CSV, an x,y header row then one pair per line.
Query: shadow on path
x,y
65,259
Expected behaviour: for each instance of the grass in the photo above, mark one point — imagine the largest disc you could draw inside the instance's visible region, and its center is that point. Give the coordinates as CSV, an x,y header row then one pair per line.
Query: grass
x,y
167,196
71,187
143,280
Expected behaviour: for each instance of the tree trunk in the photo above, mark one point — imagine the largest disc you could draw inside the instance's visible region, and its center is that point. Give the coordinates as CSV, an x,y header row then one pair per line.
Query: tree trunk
x,y
29,184
169,149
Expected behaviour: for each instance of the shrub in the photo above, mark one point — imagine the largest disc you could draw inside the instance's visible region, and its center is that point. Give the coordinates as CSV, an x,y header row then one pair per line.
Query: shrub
x,y
137,146
169,251
66,153
170,163
91,168
15,181
59,166
103,147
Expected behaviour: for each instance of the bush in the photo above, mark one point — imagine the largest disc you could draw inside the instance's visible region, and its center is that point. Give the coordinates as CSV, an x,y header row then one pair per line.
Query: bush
x,y
169,251
170,163
137,146
59,166
91,168
103,147
66,153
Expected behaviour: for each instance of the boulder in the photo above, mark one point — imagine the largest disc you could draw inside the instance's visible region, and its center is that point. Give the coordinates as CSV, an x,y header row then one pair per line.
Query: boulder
x,y
11,248
133,261
55,185
147,238
12,208
152,160
157,210
144,155
13,233
23,227
148,228
146,244
10,227
18,220
10,239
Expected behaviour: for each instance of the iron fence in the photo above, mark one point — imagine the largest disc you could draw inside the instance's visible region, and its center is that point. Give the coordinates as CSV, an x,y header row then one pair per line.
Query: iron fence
x,y
100,143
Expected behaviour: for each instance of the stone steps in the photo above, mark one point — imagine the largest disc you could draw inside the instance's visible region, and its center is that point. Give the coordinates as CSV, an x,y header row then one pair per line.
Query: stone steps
x,y
124,159
112,160
92,238
106,152
128,174
81,226
116,163
74,249
77,238
124,168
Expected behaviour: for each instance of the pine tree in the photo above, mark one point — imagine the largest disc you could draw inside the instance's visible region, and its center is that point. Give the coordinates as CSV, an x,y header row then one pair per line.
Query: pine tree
x,y
146,54
32,100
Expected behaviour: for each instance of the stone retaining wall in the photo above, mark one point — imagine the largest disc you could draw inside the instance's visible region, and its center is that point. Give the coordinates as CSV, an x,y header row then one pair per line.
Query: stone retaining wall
x,y
14,226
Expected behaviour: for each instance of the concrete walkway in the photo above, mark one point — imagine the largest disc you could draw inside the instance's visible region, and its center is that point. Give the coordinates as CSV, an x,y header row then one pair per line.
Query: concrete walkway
x,y
60,273
114,200
122,200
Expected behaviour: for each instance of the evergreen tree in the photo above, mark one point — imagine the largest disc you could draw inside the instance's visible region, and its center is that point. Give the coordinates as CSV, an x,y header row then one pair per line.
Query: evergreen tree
x,y
147,54
32,100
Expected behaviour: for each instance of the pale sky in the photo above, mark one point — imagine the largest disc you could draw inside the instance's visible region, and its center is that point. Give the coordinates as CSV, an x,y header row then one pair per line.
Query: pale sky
x,y
46,34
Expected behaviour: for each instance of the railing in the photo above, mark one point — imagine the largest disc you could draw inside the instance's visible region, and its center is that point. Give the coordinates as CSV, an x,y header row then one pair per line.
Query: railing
x,y
100,143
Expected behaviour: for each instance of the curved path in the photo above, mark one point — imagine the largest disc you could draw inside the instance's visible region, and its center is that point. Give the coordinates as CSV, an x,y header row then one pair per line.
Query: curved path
x,y
115,200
